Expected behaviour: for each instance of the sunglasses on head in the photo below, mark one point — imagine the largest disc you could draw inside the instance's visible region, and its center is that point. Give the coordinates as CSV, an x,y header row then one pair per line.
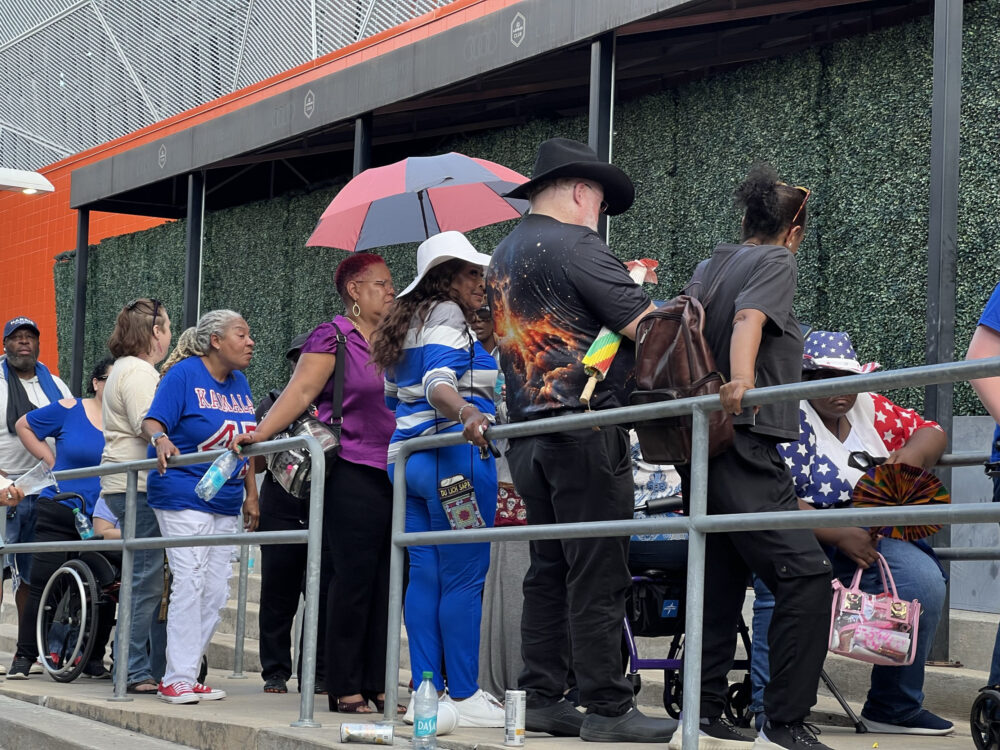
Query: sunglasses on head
x,y
805,200
156,307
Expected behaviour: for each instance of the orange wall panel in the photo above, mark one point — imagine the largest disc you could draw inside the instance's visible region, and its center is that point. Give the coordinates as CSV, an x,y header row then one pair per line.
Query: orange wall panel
x,y
36,228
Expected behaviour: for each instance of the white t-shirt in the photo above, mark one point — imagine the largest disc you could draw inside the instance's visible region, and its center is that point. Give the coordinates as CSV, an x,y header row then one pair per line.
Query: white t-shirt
x,y
127,396
14,457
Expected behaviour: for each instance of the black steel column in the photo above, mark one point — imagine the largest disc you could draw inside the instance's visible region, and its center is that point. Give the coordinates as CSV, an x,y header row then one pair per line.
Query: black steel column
x,y
192,259
941,251
362,143
602,102
80,300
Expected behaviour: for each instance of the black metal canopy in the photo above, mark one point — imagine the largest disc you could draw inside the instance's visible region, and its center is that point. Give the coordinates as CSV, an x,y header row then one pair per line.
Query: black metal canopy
x,y
480,75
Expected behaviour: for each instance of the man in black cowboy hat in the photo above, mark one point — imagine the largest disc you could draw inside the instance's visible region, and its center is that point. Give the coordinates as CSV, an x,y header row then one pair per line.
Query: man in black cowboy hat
x,y
552,285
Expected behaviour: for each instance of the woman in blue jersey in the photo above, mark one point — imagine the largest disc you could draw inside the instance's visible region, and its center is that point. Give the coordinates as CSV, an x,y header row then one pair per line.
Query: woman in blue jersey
x,y
439,379
75,425
202,402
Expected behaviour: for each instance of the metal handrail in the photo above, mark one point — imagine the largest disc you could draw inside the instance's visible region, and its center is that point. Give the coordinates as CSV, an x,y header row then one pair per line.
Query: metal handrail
x,y
697,523
128,544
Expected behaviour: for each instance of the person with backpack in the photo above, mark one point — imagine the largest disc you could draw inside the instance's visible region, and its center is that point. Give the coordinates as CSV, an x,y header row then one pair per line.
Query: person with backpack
x,y
553,285
756,342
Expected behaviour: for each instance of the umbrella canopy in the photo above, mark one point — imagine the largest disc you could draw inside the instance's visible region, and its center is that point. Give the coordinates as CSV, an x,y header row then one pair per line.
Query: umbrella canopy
x,y
417,198
900,484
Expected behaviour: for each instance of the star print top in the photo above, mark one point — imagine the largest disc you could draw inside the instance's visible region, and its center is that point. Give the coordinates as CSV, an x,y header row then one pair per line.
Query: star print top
x,y
818,460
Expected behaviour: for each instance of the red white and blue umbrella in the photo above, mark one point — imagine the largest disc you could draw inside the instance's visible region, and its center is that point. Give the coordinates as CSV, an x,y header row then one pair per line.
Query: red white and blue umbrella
x,y
416,198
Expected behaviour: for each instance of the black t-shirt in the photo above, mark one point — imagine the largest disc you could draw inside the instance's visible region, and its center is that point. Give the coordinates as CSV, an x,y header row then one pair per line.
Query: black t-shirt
x,y
552,287
762,278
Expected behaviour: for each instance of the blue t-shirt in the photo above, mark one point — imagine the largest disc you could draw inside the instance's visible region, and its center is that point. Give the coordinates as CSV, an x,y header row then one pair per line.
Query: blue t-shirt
x,y
199,414
991,319
78,444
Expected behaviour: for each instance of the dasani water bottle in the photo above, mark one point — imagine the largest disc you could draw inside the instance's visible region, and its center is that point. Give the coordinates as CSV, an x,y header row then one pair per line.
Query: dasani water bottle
x,y
425,711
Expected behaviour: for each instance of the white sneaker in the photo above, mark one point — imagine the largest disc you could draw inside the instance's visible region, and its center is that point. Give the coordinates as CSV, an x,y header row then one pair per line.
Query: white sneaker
x,y
36,667
479,710
3,669
408,716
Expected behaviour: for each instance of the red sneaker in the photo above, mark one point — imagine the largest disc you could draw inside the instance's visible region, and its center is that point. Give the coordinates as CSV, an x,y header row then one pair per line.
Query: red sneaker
x,y
177,692
205,693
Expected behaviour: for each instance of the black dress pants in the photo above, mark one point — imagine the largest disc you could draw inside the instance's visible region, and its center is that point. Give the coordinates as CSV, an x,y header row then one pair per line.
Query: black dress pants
x,y
357,521
282,580
577,585
56,524
752,477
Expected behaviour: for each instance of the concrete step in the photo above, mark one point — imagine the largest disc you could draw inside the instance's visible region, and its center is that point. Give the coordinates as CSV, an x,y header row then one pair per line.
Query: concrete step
x,y
25,726
252,626
248,719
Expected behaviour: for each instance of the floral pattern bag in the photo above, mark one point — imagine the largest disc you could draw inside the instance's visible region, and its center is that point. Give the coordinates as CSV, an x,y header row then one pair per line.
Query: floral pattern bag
x,y
874,628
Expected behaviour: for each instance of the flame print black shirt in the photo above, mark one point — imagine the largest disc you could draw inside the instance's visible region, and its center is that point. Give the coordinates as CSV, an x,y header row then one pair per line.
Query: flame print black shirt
x,y
552,287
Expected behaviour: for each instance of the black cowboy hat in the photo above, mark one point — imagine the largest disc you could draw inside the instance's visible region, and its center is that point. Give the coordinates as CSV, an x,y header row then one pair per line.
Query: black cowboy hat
x,y
561,157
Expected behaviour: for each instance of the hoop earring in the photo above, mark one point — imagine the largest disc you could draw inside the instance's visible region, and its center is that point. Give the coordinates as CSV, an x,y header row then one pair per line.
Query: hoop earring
x,y
356,311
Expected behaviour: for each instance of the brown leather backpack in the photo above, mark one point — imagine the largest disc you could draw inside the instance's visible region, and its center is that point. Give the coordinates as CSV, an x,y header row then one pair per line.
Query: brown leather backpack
x,y
673,361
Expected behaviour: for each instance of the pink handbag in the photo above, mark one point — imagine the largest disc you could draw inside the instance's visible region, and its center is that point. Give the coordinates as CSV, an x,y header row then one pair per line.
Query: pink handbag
x,y
875,628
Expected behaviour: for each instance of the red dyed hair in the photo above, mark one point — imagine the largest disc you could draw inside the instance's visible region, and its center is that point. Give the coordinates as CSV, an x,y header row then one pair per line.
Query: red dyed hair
x,y
351,267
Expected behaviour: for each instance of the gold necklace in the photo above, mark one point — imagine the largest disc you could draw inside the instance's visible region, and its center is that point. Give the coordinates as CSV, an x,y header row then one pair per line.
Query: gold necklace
x,y
356,328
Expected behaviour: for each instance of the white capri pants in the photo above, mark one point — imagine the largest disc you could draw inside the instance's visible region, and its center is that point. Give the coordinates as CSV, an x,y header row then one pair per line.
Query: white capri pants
x,y
199,590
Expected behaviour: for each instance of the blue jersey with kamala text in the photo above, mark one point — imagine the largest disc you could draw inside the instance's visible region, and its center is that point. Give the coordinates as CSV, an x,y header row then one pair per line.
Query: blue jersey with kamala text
x,y
199,414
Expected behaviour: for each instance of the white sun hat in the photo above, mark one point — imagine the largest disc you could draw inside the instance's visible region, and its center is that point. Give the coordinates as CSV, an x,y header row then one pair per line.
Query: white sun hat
x,y
440,249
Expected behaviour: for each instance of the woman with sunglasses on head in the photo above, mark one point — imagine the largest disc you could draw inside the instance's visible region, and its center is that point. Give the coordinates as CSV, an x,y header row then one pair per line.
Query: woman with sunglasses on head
x,y
75,425
831,429
357,505
140,341
756,342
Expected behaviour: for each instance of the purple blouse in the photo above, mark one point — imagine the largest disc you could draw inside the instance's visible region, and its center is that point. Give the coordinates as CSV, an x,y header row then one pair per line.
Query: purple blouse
x,y
368,423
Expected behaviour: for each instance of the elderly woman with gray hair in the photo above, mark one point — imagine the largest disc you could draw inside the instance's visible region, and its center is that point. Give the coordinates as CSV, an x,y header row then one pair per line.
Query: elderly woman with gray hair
x,y
202,401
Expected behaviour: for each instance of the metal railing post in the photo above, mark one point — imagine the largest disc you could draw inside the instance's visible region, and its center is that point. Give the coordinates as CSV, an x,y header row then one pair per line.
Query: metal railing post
x,y
310,626
395,587
697,509
124,630
241,615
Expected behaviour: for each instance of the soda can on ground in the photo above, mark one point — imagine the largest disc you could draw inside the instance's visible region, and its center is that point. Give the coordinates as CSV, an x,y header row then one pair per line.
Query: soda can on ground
x,y
370,734
515,705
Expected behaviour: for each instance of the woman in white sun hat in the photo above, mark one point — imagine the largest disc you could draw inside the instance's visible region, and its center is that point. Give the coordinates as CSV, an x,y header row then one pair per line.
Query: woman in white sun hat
x,y
440,379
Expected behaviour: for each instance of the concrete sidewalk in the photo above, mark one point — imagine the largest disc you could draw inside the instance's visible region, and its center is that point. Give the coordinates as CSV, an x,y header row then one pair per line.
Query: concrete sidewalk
x,y
249,719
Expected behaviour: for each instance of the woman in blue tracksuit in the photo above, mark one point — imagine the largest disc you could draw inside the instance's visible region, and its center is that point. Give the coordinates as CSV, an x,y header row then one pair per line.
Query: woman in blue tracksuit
x,y
439,379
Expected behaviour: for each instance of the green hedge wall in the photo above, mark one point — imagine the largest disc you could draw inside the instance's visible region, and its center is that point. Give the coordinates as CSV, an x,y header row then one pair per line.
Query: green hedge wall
x,y
850,120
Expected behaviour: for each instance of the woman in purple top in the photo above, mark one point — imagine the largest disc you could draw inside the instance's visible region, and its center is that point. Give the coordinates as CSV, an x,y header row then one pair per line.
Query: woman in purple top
x,y
357,511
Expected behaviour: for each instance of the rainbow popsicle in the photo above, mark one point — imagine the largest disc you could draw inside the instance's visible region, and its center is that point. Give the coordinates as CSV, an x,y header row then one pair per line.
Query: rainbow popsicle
x,y
599,357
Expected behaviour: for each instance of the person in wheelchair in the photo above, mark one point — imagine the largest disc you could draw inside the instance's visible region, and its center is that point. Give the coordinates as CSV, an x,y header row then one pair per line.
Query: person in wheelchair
x,y
830,430
76,425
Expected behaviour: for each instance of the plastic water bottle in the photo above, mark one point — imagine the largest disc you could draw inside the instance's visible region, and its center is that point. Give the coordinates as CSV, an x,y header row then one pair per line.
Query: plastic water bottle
x,y
217,475
425,714
83,525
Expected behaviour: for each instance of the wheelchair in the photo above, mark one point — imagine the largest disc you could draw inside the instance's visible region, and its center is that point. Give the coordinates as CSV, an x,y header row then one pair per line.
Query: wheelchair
x,y
985,718
66,627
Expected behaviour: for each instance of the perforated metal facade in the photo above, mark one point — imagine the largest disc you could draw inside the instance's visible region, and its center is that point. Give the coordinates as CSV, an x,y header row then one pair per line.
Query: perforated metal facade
x,y
78,73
